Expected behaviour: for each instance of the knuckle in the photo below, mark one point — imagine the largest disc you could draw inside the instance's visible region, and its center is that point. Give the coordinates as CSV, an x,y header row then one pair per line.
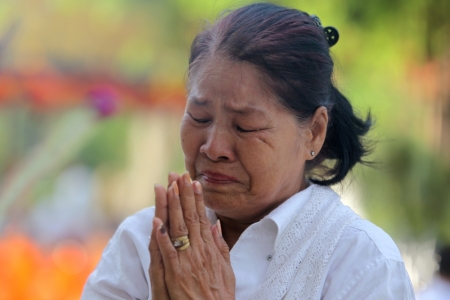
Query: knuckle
x,y
191,216
175,205
225,248
199,198
152,251
172,254
181,228
155,269
204,220
155,259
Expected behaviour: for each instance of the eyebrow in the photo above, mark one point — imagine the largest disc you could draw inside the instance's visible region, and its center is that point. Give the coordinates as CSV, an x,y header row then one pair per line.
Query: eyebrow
x,y
198,102
245,111
241,111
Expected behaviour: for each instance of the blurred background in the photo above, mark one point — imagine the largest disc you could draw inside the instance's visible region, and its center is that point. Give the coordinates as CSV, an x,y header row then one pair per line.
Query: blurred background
x,y
92,93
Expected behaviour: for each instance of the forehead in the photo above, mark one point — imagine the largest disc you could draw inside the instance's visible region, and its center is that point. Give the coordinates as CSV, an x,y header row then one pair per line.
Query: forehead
x,y
233,84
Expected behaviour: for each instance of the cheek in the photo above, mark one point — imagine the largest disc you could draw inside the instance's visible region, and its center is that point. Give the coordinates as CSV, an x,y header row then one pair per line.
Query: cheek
x,y
269,161
259,150
184,135
257,157
190,143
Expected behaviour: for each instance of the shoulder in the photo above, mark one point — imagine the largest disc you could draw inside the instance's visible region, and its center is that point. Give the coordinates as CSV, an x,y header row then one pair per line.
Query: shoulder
x,y
366,262
122,270
133,232
363,235
139,223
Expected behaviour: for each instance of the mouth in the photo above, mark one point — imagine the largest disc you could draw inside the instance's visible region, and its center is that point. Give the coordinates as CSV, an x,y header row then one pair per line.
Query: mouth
x,y
217,178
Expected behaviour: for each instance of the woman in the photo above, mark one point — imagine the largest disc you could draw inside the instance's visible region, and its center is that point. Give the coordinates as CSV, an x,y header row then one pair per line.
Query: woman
x,y
262,115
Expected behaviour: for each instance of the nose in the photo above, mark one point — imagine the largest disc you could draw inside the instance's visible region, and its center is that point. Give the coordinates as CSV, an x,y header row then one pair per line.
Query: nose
x,y
219,145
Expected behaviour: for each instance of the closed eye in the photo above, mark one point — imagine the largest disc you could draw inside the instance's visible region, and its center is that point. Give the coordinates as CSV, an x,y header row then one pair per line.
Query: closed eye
x,y
199,121
240,129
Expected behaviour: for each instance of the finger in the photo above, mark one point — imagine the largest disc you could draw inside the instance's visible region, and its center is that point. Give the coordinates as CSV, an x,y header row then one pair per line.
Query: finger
x,y
172,177
168,252
161,207
187,200
205,224
220,242
156,269
176,220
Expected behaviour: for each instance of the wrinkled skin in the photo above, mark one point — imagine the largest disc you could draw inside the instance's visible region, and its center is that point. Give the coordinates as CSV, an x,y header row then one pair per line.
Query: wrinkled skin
x,y
203,270
247,154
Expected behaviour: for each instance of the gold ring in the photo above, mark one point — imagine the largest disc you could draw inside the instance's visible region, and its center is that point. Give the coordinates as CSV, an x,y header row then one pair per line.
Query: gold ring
x,y
180,242
184,247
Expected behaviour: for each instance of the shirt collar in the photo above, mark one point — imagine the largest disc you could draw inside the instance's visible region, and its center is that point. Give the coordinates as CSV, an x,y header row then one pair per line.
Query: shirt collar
x,y
283,214
286,211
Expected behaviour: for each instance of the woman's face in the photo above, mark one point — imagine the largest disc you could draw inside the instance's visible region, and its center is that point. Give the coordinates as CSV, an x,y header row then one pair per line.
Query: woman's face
x,y
246,150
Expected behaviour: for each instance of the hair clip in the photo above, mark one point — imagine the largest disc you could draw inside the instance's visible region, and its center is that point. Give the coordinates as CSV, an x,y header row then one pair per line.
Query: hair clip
x,y
331,33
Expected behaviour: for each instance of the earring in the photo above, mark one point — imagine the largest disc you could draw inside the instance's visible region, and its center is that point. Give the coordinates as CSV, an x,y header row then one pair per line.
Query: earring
x,y
313,153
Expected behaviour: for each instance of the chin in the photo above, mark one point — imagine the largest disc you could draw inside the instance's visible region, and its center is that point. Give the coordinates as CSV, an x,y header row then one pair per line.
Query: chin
x,y
219,202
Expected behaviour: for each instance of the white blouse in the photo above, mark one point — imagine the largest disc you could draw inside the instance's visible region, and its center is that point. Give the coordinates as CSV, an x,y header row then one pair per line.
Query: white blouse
x,y
365,264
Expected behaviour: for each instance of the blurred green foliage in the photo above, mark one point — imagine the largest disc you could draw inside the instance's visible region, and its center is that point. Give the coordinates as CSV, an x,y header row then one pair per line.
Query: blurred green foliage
x,y
108,144
408,194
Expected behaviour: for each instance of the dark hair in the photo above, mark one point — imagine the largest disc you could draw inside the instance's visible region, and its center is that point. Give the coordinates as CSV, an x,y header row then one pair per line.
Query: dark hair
x,y
444,262
294,57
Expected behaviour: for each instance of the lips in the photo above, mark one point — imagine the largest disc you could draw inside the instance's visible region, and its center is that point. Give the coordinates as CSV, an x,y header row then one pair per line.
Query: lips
x,y
216,177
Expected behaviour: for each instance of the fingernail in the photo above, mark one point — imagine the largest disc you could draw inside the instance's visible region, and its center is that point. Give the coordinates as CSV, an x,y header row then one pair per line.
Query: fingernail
x,y
197,187
162,228
175,188
187,178
219,227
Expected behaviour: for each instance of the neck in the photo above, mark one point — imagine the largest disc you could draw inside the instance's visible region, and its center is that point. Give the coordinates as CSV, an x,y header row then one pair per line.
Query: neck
x,y
232,230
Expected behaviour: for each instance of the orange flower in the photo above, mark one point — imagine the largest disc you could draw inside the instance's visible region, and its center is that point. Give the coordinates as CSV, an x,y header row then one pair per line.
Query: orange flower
x,y
30,272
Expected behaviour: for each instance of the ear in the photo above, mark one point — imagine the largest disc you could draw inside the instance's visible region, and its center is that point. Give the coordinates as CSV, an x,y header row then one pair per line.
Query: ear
x,y
317,132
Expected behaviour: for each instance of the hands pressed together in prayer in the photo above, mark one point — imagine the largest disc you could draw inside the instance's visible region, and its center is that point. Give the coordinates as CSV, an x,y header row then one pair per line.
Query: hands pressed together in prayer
x,y
200,270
